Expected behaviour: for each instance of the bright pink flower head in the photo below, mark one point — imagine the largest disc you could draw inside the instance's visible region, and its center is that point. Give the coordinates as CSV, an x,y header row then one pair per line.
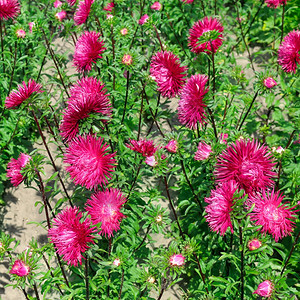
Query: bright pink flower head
x,y
109,6
14,168
61,15
276,218
191,105
70,235
90,163
156,6
87,50
117,262
124,31
31,25
172,146
265,289
57,4
82,12
87,96
145,147
176,260
151,161
254,244
248,163
20,268
203,151
143,19
127,60
9,9
288,52
104,207
201,29
187,1
219,207
168,73
21,33
17,97
269,82
275,3
71,2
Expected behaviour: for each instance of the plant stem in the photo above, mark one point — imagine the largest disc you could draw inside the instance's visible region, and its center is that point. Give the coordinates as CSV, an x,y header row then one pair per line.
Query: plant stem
x,y
42,65
242,261
215,7
201,273
121,286
2,46
126,95
87,295
157,35
248,110
14,66
142,242
135,179
140,117
23,290
109,246
282,21
155,114
36,292
213,123
163,287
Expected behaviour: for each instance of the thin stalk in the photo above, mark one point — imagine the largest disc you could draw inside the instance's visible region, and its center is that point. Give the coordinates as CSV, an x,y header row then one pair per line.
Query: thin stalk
x,y
144,239
113,54
157,35
282,22
109,246
2,46
203,7
12,135
36,292
135,179
140,118
23,290
14,66
87,288
242,261
121,286
155,114
62,269
126,96
214,71
213,123
215,7
201,272
163,287
50,156
42,65
256,94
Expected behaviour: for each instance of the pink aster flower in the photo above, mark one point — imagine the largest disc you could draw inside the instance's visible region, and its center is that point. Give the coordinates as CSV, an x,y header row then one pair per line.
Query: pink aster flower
x,y
127,60
248,163
156,6
57,4
21,33
169,75
71,2
116,262
275,3
90,163
191,105
124,31
20,268
109,6
172,146
203,151
269,82
143,19
87,50
202,28
17,97
275,217
9,9
71,235
288,52
254,244
176,260
151,161
145,147
104,207
220,205
61,15
14,168
187,1
87,96
82,12
31,25
265,289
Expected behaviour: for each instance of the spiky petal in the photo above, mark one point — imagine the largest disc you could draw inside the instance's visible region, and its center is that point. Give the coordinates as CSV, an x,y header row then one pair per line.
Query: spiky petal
x,y
87,50
265,289
14,168
168,73
145,147
248,163
288,52
82,12
20,268
17,97
201,28
191,105
275,217
90,164
275,3
104,207
71,2
220,205
109,6
203,151
87,96
9,9
70,235
176,260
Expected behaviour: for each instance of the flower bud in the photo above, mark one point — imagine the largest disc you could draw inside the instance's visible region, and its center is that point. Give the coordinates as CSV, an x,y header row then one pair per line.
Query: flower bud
x,y
265,289
19,268
176,260
254,244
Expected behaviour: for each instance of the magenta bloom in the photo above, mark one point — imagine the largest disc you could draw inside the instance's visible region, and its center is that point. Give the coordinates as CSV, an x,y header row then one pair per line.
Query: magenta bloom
x,y
156,6
70,235
275,3
109,6
203,151
145,147
17,97
187,1
191,105
168,73
90,163
151,161
31,25
219,207
87,96
254,244
9,9
87,50
61,15
176,260
82,12
71,2
20,268
288,52
172,146
57,4
202,28
269,82
248,163
104,207
21,33
275,217
14,168
143,19
265,289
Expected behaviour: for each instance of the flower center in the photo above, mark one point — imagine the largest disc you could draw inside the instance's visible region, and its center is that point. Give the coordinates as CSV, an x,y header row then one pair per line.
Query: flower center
x,y
271,213
249,173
